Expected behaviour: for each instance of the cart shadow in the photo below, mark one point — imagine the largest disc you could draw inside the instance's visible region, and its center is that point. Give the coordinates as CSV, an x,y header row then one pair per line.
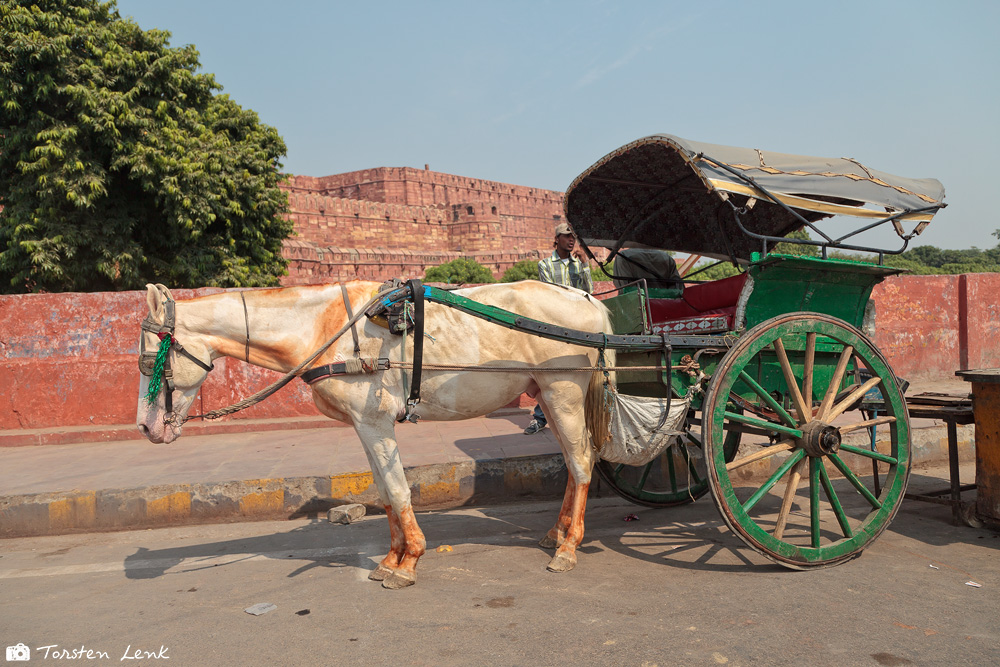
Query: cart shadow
x,y
933,523
686,537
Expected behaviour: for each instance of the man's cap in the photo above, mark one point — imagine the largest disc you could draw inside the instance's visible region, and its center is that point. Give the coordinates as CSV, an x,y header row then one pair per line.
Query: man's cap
x,y
564,228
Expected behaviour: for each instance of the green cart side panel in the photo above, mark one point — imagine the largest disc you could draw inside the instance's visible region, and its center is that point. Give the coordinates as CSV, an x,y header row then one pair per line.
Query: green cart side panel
x,y
627,313
789,283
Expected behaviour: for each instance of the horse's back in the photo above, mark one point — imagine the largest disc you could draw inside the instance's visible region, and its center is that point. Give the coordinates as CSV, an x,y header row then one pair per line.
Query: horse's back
x,y
546,302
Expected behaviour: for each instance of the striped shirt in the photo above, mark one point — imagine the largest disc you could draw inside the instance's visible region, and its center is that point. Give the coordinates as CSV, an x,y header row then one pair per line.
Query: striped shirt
x,y
572,273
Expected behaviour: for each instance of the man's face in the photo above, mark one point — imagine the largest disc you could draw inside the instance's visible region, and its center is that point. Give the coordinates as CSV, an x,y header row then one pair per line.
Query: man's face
x,y
565,242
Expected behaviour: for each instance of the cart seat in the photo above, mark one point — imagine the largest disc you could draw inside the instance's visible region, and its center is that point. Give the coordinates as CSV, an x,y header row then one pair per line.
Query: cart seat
x,y
704,308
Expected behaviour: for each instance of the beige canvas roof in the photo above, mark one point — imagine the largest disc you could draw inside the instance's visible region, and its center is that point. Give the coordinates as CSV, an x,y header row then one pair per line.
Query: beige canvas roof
x,y
666,192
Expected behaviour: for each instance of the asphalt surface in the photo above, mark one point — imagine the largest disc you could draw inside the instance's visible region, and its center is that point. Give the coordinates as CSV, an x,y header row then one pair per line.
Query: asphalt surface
x,y
671,587
253,470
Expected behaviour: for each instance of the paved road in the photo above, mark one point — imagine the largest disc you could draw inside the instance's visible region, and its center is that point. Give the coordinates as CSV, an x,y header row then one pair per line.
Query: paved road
x,y
673,588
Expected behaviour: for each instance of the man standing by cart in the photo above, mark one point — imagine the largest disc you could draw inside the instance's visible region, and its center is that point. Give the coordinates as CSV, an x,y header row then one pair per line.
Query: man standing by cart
x,y
567,268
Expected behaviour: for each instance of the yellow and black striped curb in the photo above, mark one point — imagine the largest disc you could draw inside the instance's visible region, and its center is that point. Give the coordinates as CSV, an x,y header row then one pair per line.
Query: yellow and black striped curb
x,y
432,486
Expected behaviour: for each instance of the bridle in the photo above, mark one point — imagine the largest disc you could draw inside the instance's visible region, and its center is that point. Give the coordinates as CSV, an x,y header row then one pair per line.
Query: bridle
x,y
147,360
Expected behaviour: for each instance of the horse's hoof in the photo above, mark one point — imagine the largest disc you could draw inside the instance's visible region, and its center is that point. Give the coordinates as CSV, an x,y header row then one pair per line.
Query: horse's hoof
x,y
380,573
561,563
547,543
399,579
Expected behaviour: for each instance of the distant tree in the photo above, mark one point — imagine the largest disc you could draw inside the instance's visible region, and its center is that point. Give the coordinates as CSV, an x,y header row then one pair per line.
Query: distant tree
x,y
461,271
800,249
716,270
712,270
526,269
598,273
119,163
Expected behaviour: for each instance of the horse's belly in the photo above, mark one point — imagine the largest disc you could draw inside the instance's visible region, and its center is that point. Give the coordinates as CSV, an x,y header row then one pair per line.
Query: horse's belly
x,y
471,394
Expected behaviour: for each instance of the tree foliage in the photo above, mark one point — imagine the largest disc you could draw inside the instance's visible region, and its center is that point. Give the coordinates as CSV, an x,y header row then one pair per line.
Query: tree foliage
x,y
922,260
931,260
461,271
120,164
526,269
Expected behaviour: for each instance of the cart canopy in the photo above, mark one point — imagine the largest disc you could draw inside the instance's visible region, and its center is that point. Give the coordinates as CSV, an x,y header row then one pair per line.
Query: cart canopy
x,y
666,192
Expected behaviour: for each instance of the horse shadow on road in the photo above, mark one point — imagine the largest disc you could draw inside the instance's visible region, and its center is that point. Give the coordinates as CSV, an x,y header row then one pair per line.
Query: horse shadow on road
x,y
689,541
688,537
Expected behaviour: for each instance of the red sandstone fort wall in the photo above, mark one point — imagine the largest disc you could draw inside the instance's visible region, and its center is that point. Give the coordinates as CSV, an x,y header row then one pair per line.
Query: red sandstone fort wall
x,y
398,221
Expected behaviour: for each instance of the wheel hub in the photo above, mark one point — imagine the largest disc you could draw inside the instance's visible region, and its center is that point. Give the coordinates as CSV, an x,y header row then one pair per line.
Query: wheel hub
x,y
819,439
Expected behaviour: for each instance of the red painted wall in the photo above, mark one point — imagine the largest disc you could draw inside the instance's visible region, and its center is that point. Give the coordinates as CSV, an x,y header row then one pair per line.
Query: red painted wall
x,y
929,326
71,359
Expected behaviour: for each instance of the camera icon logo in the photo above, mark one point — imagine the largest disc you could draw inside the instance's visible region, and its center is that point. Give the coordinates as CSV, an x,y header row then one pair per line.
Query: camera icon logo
x,y
18,653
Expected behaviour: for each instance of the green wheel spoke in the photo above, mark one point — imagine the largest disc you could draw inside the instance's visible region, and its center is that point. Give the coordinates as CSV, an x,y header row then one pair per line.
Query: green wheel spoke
x,y
778,474
838,509
670,467
771,403
814,465
762,424
694,472
645,474
853,479
802,360
870,454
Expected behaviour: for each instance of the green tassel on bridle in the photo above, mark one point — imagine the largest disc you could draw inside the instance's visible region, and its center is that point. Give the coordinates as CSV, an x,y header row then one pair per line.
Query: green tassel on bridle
x,y
156,379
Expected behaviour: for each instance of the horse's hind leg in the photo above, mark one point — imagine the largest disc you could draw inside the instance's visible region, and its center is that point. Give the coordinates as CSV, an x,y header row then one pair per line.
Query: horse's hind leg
x,y
569,426
557,533
565,558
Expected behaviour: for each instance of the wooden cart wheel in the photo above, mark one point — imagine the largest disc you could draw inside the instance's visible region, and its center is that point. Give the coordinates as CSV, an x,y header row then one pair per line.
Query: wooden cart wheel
x,y
801,489
675,477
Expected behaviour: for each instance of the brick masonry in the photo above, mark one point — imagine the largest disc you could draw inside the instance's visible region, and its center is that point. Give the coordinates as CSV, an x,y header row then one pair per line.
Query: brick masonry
x,y
390,222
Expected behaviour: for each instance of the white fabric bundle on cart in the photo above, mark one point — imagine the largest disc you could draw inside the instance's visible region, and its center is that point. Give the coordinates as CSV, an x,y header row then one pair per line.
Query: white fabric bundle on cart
x,y
641,428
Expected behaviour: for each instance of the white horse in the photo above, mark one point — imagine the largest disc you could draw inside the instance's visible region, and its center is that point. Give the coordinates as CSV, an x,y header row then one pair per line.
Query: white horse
x,y
280,328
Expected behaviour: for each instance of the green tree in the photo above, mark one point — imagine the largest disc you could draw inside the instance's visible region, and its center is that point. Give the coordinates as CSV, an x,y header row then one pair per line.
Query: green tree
x,y
526,269
597,272
120,164
800,249
461,271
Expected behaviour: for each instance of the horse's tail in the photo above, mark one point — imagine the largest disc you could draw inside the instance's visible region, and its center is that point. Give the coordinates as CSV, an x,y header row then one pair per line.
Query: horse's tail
x,y
600,394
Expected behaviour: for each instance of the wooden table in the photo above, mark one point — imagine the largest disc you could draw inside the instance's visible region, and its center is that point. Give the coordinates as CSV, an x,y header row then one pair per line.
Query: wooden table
x,y
986,408
958,412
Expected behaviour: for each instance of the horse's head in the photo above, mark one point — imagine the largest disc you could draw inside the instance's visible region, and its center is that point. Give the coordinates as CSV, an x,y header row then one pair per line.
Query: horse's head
x,y
173,362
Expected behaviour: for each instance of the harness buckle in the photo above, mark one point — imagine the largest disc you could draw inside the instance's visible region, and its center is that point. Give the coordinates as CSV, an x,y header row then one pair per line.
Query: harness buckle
x,y
410,415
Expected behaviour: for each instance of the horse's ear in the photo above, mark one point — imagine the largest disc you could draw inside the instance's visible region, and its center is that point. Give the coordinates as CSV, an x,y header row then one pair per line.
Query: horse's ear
x,y
154,300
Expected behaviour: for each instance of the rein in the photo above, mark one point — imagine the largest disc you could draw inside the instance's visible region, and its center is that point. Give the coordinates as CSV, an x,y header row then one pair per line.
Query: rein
x,y
147,362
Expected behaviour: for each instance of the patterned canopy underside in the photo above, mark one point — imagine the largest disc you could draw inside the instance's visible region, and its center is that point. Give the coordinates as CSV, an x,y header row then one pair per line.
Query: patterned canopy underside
x,y
661,192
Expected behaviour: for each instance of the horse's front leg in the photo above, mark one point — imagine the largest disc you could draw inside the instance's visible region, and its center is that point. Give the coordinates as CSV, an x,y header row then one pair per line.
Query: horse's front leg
x,y
407,543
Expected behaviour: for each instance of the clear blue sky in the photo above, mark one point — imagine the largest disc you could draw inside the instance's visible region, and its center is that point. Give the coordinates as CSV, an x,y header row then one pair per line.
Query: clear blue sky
x,y
533,93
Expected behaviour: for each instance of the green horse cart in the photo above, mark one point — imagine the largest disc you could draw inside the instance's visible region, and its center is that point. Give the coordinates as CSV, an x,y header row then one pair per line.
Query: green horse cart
x,y
764,387
777,362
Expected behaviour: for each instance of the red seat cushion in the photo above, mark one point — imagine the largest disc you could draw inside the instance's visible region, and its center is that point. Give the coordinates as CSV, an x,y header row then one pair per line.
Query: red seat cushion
x,y
716,298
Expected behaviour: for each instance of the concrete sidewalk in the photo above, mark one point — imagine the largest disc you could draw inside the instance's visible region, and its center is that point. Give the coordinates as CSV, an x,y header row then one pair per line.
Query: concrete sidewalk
x,y
287,468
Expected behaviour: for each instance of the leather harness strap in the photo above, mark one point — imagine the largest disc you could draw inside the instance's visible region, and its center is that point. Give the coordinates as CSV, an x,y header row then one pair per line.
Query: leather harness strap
x,y
350,316
417,294
349,367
